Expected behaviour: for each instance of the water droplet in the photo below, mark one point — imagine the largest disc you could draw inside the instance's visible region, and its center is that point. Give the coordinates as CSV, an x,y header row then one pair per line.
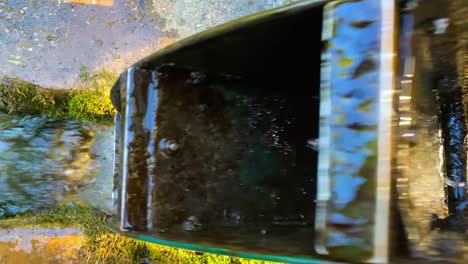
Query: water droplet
x,y
197,77
231,216
202,107
173,146
313,144
161,75
165,145
441,25
192,224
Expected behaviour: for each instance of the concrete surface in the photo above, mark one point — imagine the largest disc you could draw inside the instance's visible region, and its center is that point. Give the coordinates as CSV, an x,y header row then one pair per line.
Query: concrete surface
x,y
190,16
50,42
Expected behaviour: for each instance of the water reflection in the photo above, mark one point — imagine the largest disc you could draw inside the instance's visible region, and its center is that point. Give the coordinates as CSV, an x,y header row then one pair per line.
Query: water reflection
x,y
40,245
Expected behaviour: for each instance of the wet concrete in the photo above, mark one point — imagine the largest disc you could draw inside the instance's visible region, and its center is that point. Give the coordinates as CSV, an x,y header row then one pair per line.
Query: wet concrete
x,y
190,16
52,42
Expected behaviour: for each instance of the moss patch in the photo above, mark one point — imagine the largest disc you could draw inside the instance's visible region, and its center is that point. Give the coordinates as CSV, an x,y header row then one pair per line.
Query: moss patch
x,y
103,246
90,101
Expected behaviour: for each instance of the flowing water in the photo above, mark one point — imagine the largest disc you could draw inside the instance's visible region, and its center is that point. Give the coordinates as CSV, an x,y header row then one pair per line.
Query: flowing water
x,y
58,44
44,161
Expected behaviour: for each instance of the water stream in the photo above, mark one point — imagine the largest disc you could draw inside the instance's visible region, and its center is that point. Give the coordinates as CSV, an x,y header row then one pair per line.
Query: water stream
x,y
44,161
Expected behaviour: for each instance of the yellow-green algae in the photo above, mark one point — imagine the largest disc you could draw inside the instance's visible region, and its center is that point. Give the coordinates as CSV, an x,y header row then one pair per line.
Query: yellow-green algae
x,y
104,246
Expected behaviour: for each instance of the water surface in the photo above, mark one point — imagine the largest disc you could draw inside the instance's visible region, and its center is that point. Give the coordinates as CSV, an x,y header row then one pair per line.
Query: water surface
x,y
44,161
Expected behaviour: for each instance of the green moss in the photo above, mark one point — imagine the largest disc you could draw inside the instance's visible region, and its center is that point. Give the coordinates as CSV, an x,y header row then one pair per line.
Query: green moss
x,y
84,73
90,101
103,246
92,221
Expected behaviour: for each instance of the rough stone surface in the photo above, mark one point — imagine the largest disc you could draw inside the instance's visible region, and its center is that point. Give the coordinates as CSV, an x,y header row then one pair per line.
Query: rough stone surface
x,y
191,16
